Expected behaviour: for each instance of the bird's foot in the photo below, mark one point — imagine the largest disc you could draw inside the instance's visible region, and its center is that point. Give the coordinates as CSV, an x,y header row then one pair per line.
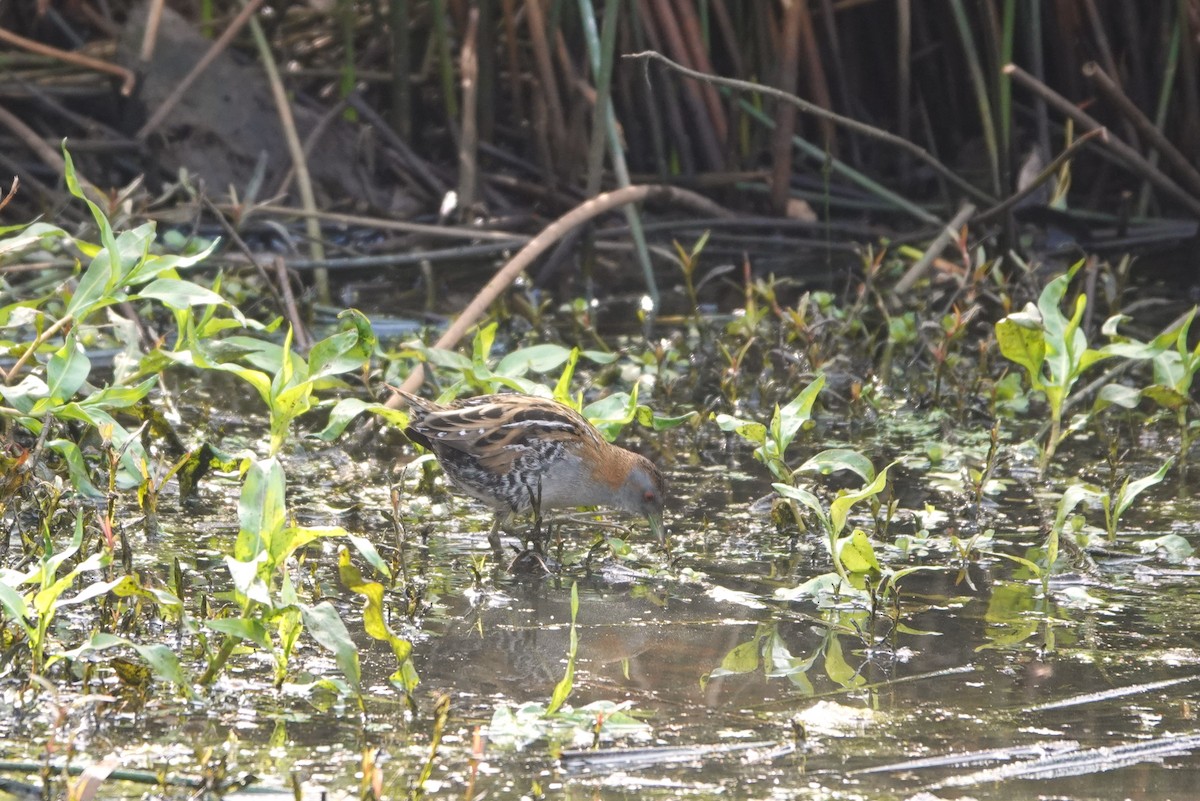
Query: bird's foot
x,y
530,562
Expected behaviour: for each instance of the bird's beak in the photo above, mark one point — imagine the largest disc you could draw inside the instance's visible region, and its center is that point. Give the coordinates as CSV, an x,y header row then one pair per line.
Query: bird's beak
x,y
656,527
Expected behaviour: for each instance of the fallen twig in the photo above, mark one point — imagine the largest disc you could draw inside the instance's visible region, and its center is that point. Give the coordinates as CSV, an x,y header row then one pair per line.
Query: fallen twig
x,y
551,234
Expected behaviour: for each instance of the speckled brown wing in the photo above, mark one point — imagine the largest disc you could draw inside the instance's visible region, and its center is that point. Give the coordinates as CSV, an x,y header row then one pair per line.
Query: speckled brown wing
x,y
501,432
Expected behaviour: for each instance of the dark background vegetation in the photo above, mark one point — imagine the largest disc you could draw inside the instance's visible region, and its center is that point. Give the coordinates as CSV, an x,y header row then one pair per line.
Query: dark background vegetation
x,y
381,101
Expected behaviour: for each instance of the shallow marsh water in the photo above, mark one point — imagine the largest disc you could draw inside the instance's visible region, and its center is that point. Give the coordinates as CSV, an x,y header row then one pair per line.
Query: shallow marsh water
x,y
776,698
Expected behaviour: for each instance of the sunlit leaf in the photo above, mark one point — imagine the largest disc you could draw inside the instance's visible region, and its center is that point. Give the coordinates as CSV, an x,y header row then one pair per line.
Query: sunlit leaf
x,y
481,345
749,430
612,413
1167,397
539,358
367,550
1116,395
246,580
562,690
374,622
25,393
857,553
839,509
15,608
177,294
836,667
77,469
802,495
344,412
344,351
798,412
744,658
1072,496
244,629
118,397
562,387
261,508
1131,489
326,627
830,461
819,588
1024,345
67,369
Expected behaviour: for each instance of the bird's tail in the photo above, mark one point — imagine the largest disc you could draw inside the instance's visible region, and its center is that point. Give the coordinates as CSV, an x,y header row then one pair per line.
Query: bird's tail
x,y
414,402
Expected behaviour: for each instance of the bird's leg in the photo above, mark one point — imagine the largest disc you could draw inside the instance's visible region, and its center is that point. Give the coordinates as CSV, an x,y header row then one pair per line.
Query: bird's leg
x,y
535,508
537,515
494,536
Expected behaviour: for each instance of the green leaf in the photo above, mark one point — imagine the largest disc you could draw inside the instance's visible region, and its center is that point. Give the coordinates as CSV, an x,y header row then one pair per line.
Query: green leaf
x,y
562,388
347,409
1176,548
1089,358
819,588
30,235
326,627
1023,345
246,578
293,538
195,358
599,356
133,454
374,622
481,345
106,232
744,658
1167,397
449,359
261,508
119,397
797,412
857,553
92,591
836,667
562,690
1116,395
47,600
1132,489
180,295
538,358
367,550
155,265
243,629
260,354
612,413
749,430
832,460
286,406
77,468
67,369
15,608
344,351
802,495
839,510
1072,496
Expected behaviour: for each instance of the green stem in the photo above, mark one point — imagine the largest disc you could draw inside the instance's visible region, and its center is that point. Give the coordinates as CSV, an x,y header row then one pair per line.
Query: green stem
x,y
218,663
1051,441
1185,437
37,343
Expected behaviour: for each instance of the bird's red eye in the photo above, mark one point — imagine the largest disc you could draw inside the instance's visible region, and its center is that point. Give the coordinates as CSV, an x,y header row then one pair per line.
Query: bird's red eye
x,y
649,496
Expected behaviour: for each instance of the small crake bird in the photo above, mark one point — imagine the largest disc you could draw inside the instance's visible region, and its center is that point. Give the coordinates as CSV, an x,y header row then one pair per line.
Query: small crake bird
x,y
518,453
